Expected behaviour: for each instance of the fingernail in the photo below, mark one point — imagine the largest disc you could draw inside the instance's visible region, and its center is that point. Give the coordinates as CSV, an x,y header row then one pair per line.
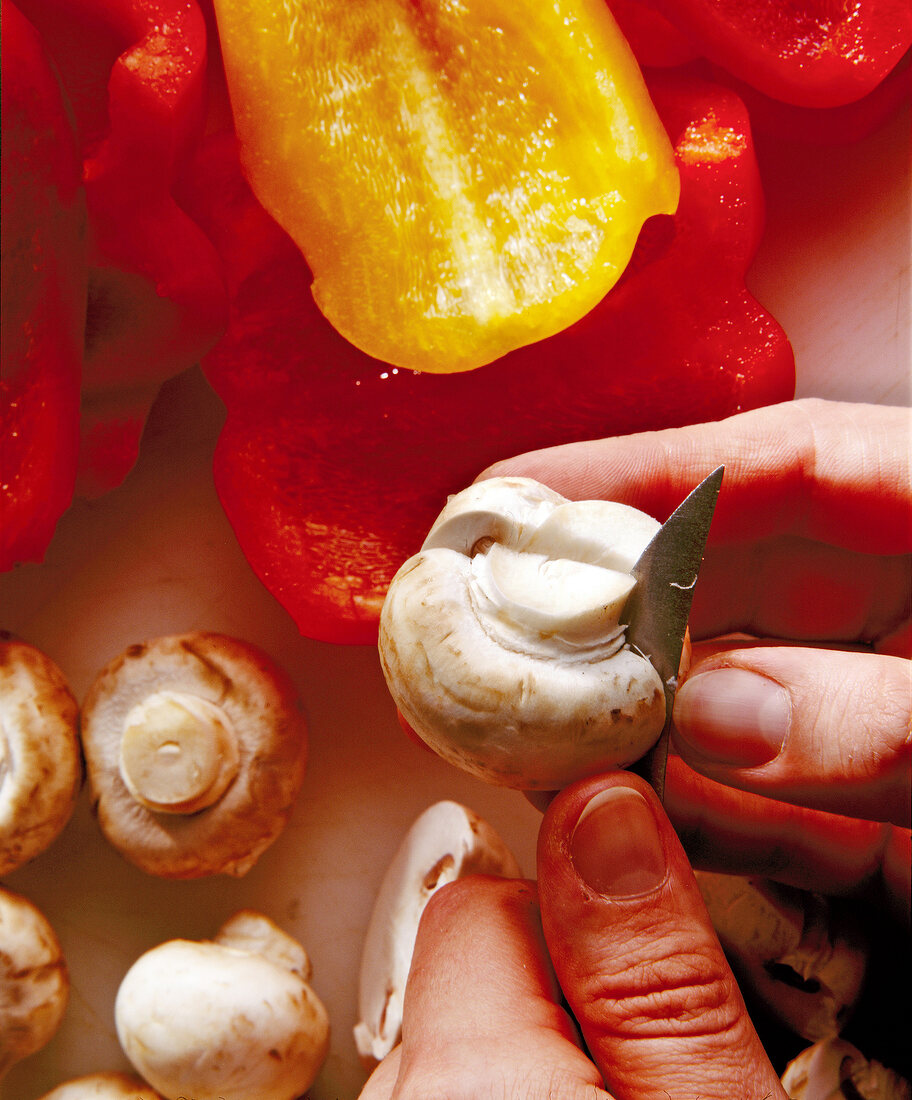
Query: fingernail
x,y
733,716
616,847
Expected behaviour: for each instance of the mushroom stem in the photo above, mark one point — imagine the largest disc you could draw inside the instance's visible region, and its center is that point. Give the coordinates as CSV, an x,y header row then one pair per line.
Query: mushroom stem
x,y
178,753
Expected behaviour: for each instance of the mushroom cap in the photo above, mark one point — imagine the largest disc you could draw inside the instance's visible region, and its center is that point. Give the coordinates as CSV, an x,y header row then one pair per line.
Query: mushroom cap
x,y
103,1086
261,719
40,756
502,641
218,1022
34,983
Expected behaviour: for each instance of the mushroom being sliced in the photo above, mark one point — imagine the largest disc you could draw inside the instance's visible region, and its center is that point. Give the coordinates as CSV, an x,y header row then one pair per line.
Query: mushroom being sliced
x,y
445,842
503,642
40,757
34,982
196,748
233,1018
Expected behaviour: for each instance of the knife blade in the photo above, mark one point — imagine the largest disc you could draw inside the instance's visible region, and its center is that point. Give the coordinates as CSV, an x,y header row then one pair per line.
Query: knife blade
x,y
659,605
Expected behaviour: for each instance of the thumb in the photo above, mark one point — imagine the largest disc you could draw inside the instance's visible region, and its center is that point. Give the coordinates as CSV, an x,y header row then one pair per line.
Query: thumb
x,y
636,954
822,728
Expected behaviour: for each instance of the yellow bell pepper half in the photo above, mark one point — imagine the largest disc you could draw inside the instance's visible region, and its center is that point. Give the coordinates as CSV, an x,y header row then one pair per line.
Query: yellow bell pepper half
x,y
464,177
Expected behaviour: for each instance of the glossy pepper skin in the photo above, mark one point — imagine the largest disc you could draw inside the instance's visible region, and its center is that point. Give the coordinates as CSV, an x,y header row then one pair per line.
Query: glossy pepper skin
x,y
44,291
463,178
809,53
135,73
332,465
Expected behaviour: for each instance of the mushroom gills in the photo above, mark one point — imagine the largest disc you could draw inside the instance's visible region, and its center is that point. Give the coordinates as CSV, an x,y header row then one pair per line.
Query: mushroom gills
x,y
570,600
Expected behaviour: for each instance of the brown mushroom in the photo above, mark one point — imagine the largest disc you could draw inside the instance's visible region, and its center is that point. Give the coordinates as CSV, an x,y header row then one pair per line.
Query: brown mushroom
x,y
103,1086
40,756
34,982
196,748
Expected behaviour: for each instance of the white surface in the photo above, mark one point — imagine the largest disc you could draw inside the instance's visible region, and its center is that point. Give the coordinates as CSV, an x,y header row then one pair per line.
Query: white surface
x,y
157,556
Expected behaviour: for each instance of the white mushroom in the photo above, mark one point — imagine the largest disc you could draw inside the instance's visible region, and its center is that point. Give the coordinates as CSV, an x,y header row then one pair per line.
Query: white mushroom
x,y
34,983
103,1086
801,954
40,756
233,1018
445,843
196,748
833,1069
502,641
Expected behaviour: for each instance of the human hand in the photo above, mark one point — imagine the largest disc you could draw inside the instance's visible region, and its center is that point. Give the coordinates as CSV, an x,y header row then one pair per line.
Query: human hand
x,y
619,913
810,543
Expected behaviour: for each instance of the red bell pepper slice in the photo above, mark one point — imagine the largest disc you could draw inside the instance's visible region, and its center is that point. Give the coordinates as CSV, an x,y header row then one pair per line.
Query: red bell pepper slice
x,y
135,71
44,289
332,465
812,53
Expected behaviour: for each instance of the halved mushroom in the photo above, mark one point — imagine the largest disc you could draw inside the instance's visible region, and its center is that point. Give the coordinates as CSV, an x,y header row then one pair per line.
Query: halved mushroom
x,y
103,1086
228,1019
502,641
40,756
445,842
34,983
803,955
196,748
833,1069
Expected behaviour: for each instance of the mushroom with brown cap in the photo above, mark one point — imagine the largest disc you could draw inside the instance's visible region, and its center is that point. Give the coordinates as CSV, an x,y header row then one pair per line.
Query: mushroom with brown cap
x,y
446,842
40,756
196,748
228,1019
503,642
34,982
103,1086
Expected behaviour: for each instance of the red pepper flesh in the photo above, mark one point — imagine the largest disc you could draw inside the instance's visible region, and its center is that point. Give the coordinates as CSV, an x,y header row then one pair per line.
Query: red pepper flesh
x,y
44,293
811,53
135,71
332,465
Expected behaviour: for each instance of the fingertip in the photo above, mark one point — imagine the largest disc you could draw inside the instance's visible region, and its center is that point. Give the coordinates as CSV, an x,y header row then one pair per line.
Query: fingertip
x,y
731,716
632,944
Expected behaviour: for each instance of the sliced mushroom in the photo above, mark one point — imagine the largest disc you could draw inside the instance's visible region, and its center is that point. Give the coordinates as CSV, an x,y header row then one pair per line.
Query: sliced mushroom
x,y
803,955
34,983
103,1086
502,640
40,756
228,1019
445,843
196,748
833,1069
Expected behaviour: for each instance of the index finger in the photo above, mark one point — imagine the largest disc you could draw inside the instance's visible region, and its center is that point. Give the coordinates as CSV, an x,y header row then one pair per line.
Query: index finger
x,y
831,471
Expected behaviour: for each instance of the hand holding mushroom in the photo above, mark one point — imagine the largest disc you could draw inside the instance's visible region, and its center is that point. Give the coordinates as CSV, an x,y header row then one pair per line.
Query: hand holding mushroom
x,y
502,641
813,792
